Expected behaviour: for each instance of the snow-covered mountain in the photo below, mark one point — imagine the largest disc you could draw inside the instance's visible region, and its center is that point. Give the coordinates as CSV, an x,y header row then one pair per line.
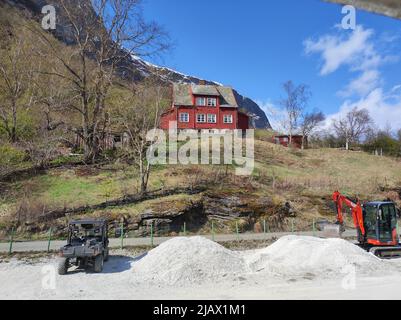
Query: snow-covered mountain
x,y
134,68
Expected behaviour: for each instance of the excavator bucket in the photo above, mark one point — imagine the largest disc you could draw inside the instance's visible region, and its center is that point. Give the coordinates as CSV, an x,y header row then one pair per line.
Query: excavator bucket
x,y
331,230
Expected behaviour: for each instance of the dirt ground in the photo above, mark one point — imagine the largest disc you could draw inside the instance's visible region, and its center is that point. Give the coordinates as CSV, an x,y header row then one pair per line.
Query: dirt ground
x,y
34,277
23,280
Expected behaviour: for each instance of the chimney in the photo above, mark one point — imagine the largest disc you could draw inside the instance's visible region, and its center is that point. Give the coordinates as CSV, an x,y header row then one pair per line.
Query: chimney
x,y
202,82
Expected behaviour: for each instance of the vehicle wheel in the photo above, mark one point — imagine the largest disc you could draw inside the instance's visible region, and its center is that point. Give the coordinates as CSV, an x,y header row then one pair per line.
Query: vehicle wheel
x,y
98,265
106,254
62,267
81,263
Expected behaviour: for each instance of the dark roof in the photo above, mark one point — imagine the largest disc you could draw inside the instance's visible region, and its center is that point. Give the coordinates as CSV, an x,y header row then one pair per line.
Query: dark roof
x,y
205,90
376,203
182,94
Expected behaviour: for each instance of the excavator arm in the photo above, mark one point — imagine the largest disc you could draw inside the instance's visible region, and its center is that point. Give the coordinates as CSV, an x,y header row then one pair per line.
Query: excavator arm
x,y
356,209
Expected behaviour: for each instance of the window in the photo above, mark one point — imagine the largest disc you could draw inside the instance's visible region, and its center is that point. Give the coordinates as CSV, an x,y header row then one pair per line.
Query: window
x,y
200,101
228,118
211,102
184,117
201,118
388,221
211,118
370,220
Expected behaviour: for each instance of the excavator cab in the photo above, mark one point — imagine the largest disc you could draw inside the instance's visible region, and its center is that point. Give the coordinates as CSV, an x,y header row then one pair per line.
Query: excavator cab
x,y
380,222
375,222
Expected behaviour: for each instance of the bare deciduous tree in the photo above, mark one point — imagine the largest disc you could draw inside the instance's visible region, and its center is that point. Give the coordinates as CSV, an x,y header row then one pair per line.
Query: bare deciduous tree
x,y
136,115
15,81
294,104
353,126
105,34
309,123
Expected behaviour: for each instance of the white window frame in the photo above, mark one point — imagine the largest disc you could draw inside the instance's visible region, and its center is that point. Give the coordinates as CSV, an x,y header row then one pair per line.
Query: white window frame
x,y
201,115
212,102
203,103
210,117
228,118
184,117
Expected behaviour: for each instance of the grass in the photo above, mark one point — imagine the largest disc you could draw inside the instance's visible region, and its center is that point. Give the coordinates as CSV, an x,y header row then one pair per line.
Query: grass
x,y
324,170
304,178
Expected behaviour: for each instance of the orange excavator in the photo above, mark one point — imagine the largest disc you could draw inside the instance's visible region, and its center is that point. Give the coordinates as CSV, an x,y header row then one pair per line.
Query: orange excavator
x,y
375,222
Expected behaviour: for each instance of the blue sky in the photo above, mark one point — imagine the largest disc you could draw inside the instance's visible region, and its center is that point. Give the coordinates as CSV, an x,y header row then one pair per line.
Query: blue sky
x,y
256,45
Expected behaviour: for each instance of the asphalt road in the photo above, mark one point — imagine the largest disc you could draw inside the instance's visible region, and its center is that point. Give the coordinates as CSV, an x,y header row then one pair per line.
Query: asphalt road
x,y
41,246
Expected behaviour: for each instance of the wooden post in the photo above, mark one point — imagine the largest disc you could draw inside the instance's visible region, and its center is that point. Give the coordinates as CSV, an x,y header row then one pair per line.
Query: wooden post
x,y
212,230
237,229
122,235
151,234
264,226
50,239
314,228
10,250
185,229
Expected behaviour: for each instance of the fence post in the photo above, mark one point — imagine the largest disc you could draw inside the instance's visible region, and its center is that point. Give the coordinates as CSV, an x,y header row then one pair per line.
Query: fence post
x,y
50,239
151,233
10,250
237,230
212,230
122,235
292,225
264,226
185,229
314,228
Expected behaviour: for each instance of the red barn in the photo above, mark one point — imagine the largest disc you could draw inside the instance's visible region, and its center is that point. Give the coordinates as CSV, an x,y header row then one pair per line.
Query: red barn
x,y
284,140
204,107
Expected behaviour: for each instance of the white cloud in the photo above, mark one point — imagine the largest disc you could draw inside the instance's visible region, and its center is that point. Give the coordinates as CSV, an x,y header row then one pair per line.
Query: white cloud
x,y
363,84
337,50
363,55
275,114
383,108
358,52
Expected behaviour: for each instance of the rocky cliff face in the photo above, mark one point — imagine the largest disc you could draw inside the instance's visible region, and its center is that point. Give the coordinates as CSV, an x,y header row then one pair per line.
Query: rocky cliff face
x,y
141,68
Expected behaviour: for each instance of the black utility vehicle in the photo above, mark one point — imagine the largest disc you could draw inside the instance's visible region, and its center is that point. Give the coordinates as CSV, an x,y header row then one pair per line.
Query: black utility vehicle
x,y
87,245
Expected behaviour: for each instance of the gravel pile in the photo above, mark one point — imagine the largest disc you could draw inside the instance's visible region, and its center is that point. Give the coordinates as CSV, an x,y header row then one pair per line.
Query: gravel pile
x,y
296,256
189,260
198,260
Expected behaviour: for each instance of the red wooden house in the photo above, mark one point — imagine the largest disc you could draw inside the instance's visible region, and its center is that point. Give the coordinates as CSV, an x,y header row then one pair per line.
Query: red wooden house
x,y
206,107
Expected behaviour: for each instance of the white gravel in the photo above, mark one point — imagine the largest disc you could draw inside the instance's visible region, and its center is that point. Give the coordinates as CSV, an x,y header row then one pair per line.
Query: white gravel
x,y
190,260
191,268
294,256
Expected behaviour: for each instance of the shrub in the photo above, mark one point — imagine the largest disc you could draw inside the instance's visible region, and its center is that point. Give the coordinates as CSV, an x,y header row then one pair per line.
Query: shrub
x,y
11,155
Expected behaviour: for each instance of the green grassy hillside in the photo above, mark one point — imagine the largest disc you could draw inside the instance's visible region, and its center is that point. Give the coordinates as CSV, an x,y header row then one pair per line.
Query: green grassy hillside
x,y
305,179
